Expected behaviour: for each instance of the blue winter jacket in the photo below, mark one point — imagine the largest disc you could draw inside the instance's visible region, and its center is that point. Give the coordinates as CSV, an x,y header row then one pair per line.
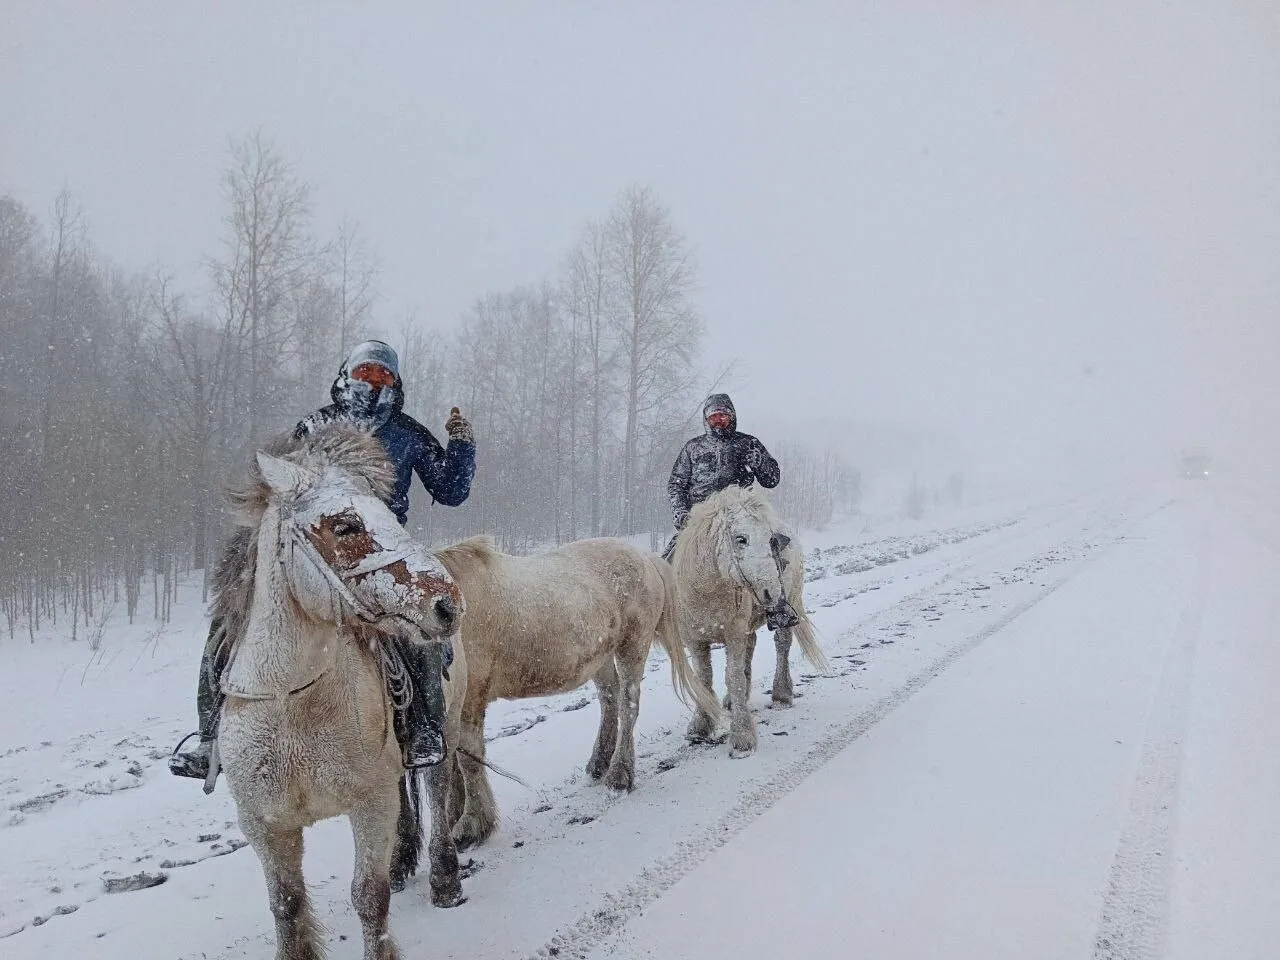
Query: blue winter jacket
x,y
446,472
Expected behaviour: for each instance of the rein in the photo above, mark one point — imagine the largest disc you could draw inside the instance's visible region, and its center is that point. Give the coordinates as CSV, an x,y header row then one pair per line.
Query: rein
x,y
293,538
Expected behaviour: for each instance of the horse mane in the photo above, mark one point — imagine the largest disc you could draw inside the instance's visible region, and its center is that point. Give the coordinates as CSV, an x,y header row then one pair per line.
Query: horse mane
x,y
475,553
334,444
706,524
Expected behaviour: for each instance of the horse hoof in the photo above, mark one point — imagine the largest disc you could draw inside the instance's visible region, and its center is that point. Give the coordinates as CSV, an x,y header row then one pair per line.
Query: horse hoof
x,y
448,899
783,703
741,753
620,781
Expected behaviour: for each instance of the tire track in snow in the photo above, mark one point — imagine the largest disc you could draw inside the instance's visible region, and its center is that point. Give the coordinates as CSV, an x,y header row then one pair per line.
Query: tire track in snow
x,y
598,926
1135,911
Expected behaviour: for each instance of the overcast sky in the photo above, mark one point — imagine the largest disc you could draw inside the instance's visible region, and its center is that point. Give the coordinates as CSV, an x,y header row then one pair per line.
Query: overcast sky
x,y
1023,225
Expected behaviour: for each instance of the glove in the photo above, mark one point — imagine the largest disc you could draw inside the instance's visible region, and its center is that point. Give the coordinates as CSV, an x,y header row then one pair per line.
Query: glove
x,y
680,520
459,427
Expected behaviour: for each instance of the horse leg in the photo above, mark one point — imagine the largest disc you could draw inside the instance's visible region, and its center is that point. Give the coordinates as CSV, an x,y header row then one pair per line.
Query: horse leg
x,y
742,728
373,826
702,726
606,680
783,689
280,852
622,768
446,883
751,653
457,789
480,815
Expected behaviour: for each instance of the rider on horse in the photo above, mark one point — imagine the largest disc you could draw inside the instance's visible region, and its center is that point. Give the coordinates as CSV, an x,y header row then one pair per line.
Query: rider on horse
x,y
369,392
721,457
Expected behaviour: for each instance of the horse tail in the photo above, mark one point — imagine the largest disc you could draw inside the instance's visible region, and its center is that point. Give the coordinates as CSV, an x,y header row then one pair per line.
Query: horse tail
x,y
409,834
686,682
807,637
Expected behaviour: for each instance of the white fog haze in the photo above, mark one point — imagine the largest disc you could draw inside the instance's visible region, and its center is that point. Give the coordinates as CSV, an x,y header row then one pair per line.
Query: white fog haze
x,y
1026,227
980,276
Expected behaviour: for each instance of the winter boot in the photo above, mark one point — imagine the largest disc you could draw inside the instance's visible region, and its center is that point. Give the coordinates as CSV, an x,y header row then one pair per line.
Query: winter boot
x,y
195,763
420,726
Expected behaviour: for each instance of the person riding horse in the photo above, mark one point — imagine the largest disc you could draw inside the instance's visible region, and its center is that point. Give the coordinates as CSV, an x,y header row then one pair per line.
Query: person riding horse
x,y
369,392
720,457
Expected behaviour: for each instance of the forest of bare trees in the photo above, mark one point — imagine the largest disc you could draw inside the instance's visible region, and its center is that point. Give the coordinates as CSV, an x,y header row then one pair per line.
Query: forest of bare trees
x,y
127,405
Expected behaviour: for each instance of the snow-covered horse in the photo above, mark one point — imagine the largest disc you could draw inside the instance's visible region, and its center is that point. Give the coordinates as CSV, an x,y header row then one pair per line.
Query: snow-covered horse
x,y
547,624
735,564
310,587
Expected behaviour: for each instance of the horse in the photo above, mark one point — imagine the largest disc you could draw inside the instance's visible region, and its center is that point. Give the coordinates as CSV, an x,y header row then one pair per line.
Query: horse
x,y
735,564
318,576
547,624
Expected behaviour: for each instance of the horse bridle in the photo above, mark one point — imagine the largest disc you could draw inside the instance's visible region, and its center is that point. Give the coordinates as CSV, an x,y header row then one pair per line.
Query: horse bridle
x,y
294,537
746,581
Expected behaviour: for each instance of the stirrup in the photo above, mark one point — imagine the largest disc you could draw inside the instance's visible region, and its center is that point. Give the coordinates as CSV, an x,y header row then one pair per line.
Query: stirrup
x,y
182,764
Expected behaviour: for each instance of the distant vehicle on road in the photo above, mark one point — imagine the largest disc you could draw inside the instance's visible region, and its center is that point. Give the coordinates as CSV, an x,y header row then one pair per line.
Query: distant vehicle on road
x,y
1194,465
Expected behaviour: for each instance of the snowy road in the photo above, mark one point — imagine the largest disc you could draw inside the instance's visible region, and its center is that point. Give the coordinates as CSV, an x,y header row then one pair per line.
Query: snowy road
x,y
1048,734
1097,779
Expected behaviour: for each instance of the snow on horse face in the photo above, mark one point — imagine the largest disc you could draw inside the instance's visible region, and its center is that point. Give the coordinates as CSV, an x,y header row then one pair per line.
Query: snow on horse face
x,y
734,564
358,538
325,578
752,553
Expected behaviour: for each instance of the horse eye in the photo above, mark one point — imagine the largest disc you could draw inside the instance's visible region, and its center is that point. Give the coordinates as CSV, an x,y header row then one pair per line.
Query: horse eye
x,y
740,540
345,527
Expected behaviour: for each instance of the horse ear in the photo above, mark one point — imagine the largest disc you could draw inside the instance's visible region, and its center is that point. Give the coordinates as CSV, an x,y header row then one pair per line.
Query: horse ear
x,y
284,476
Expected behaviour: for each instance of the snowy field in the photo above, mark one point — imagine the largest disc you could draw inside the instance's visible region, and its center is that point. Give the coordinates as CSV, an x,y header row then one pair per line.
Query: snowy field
x,y
1050,731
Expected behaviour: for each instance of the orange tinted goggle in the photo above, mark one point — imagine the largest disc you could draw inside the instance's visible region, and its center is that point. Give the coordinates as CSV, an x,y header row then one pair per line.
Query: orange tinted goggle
x,y
719,419
374,374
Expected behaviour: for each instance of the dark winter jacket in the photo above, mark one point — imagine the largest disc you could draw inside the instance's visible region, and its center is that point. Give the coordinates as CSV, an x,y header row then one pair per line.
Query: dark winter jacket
x,y
446,472
717,459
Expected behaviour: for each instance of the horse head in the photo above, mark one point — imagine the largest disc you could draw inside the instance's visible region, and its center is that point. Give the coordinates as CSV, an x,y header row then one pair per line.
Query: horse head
x,y
344,553
753,546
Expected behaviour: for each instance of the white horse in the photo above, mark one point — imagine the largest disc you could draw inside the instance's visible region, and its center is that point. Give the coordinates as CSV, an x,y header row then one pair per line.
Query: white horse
x,y
547,624
736,568
309,589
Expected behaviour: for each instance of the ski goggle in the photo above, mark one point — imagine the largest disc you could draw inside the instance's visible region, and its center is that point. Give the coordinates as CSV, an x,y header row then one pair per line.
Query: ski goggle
x,y
719,419
374,374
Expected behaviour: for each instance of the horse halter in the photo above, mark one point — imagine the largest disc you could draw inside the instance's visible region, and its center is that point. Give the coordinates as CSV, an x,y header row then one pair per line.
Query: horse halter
x,y
779,561
293,539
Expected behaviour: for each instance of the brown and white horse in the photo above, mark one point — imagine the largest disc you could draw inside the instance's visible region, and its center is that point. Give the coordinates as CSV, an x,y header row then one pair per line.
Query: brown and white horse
x,y
320,575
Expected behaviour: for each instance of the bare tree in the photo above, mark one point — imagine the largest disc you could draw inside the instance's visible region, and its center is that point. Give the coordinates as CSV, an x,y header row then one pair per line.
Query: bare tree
x,y
355,272
590,296
266,249
659,330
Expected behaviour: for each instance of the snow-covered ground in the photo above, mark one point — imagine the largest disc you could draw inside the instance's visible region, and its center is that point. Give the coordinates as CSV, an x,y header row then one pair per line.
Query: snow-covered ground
x,y
1049,732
